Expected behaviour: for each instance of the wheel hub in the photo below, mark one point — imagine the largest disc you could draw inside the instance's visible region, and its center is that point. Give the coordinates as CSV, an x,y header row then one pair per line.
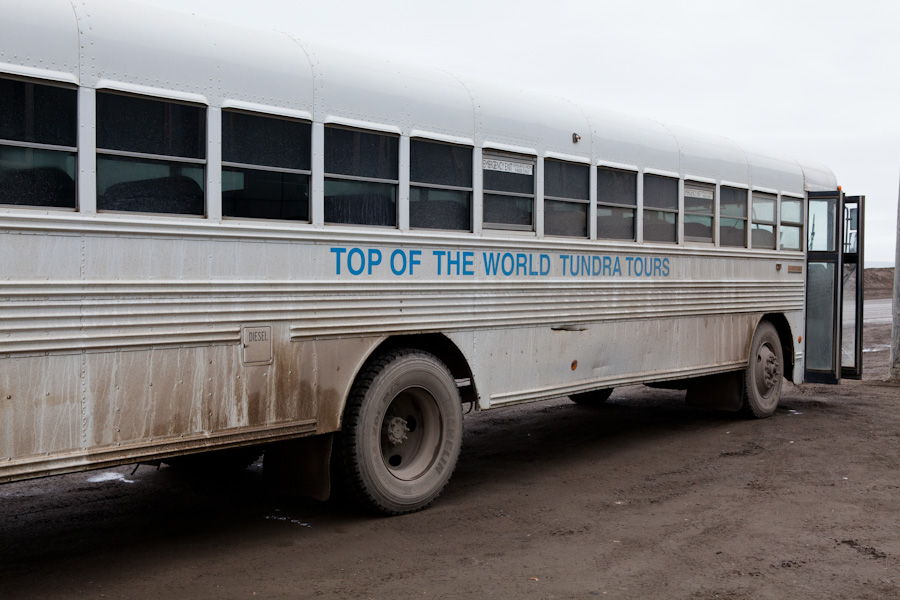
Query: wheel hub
x,y
767,370
396,429
411,433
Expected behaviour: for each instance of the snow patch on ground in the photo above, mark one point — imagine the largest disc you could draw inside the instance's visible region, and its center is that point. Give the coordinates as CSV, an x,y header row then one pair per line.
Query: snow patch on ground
x,y
109,476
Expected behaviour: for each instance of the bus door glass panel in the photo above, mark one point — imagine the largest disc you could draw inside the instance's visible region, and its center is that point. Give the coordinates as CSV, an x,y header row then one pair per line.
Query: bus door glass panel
x,y
822,289
852,292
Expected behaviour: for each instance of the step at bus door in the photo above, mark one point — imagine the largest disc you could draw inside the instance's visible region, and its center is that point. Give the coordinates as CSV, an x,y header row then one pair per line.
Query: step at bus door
x,y
852,287
833,287
823,289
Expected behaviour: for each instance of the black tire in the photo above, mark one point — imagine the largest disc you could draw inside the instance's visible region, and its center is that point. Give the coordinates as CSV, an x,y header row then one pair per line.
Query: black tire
x,y
764,374
592,398
401,434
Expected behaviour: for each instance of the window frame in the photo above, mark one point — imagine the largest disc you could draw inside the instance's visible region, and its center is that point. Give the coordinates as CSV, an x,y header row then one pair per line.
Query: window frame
x,y
525,159
745,218
29,147
570,200
632,207
701,185
358,178
452,188
652,209
225,164
792,224
203,162
764,195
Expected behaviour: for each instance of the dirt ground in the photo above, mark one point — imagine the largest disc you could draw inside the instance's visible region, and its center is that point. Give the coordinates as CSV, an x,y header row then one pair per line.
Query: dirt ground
x,y
642,498
878,283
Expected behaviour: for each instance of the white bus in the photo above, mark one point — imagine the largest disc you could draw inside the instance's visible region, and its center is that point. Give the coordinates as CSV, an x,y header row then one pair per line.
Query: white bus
x,y
216,238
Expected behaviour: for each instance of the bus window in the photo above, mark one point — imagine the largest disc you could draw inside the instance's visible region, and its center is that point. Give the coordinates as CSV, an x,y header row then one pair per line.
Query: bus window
x,y
699,204
38,130
660,209
361,177
151,155
508,191
791,223
732,217
566,198
762,234
440,192
616,203
265,167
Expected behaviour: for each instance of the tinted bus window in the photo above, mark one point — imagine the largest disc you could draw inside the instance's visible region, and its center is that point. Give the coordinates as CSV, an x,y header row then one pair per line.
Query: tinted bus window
x,y
34,114
151,155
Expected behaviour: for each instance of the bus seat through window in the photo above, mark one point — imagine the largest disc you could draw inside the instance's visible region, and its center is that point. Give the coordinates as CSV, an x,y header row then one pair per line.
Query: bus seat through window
x,y
41,186
177,194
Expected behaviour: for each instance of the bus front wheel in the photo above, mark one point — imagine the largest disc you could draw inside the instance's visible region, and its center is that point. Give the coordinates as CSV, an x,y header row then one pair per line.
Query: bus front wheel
x,y
765,371
402,432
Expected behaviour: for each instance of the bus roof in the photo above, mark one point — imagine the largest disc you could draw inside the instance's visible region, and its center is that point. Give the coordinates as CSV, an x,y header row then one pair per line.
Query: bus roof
x,y
138,48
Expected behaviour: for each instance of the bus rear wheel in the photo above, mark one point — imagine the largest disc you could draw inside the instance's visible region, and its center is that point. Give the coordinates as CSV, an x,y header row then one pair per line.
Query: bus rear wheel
x,y
764,375
592,398
402,433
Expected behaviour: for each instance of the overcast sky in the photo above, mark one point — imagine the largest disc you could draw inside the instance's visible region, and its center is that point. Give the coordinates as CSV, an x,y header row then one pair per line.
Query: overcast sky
x,y
819,80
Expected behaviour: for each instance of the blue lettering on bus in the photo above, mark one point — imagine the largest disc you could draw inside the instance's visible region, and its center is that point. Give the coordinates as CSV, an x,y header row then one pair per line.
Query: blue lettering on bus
x,y
491,262
439,254
362,261
453,260
512,264
374,259
467,266
521,264
338,252
356,261
402,256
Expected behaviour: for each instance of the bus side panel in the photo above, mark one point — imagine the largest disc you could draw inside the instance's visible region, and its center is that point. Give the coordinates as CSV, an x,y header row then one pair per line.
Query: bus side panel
x,y
40,405
161,392
105,408
334,368
519,365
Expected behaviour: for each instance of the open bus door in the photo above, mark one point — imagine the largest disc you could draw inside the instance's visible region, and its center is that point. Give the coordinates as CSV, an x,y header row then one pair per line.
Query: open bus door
x,y
852,288
834,287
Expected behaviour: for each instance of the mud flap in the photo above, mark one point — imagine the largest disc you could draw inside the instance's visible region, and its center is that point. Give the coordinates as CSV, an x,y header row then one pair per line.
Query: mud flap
x,y
300,466
724,391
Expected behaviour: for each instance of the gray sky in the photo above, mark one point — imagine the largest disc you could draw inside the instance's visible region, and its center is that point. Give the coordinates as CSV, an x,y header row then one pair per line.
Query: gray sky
x,y
819,80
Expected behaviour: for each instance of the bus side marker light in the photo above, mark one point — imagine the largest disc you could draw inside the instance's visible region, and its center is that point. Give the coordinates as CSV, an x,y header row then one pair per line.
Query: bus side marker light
x,y
574,364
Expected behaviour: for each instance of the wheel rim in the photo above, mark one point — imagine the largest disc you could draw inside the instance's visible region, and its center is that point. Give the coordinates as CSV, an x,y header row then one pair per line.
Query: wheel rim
x,y
411,433
767,371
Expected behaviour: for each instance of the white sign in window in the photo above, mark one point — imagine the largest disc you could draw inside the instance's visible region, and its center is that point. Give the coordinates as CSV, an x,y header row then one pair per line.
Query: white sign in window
x,y
505,166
